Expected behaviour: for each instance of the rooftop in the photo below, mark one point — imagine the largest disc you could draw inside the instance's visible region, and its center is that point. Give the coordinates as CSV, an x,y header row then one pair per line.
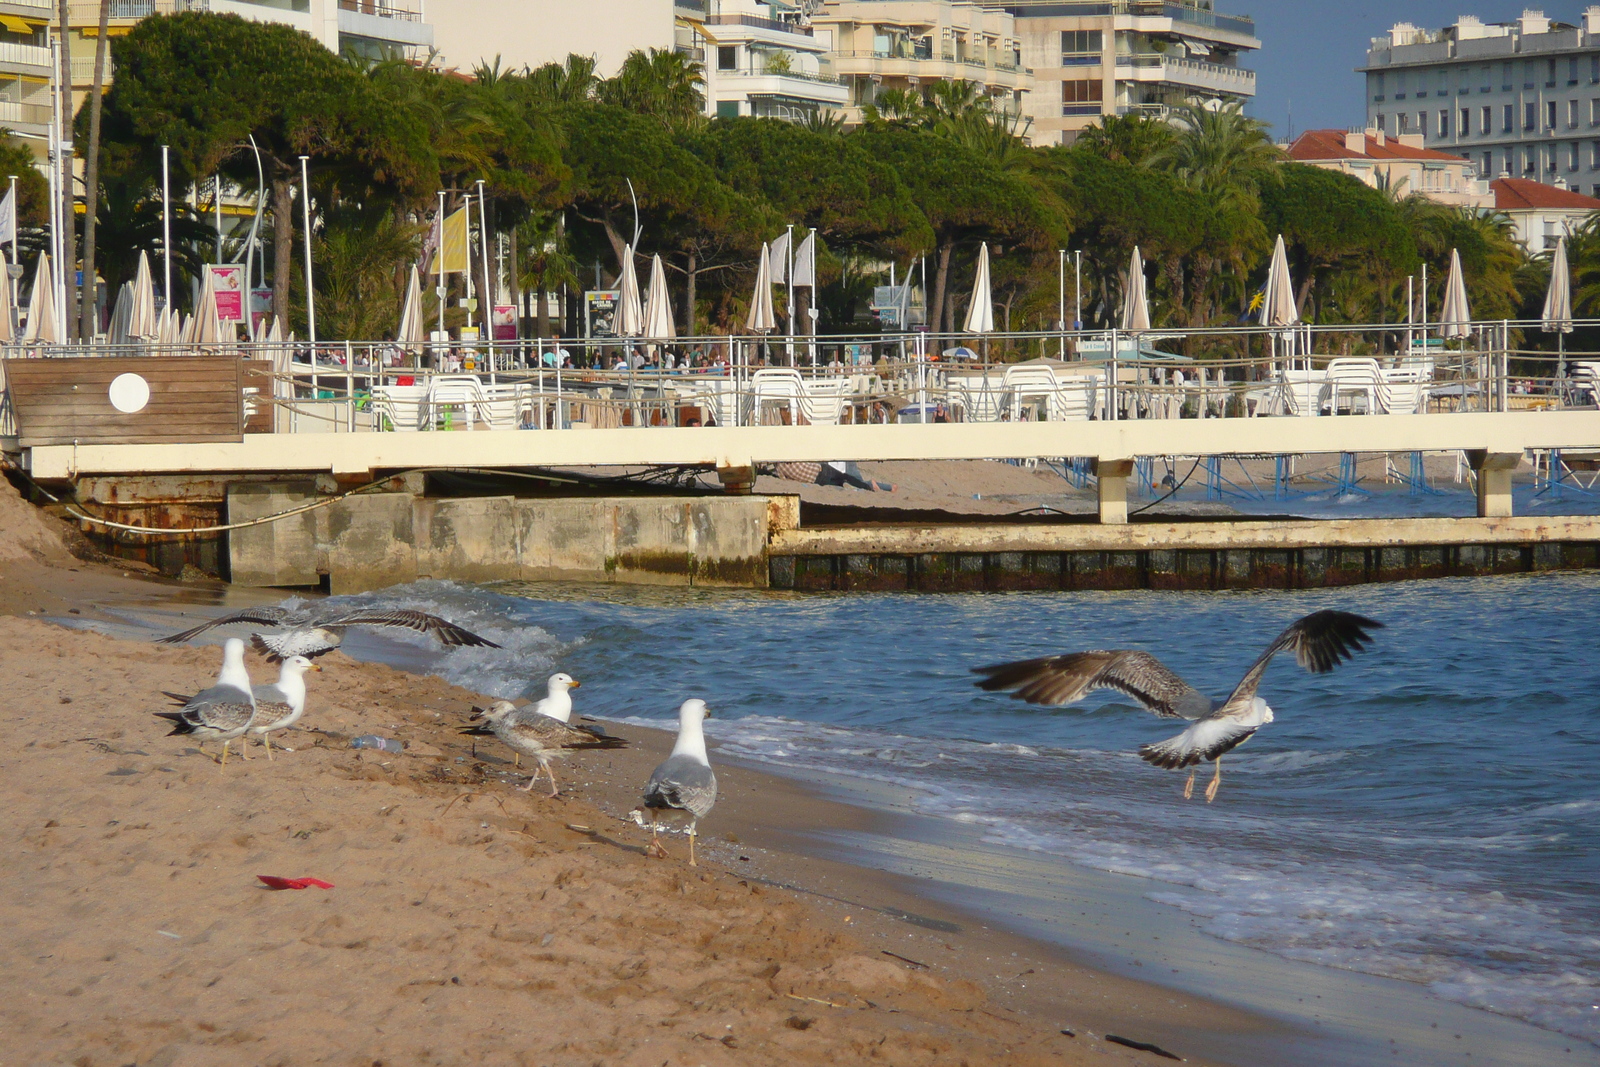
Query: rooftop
x,y
1337,144
1520,194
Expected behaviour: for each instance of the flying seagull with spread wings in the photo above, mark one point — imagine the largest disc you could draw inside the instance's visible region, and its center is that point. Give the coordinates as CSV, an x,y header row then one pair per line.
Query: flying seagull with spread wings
x,y
306,634
1320,642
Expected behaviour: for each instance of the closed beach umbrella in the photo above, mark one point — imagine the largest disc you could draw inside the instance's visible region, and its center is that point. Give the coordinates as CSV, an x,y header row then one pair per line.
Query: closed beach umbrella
x,y
761,318
121,313
1558,304
630,315
409,335
143,321
43,327
1135,304
980,316
168,327
1455,319
1277,307
207,330
658,324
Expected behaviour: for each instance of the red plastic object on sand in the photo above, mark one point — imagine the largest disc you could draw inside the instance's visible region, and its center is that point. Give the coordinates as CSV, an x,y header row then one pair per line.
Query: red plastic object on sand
x,y
274,882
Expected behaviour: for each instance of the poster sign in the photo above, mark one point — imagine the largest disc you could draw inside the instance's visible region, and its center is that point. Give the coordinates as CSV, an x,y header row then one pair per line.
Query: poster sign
x,y
504,322
260,311
601,305
227,281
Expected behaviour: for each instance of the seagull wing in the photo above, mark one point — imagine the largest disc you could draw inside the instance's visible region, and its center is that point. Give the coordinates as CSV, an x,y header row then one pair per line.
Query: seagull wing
x,y
682,783
1321,641
281,646
553,733
1064,679
259,616
446,633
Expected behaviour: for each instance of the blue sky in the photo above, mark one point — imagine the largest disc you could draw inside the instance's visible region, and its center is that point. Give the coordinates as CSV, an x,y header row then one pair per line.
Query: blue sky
x,y
1310,49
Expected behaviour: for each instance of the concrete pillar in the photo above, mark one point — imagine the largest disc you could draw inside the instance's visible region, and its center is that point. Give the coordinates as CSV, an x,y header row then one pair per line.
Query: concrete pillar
x,y
738,479
1494,470
1112,476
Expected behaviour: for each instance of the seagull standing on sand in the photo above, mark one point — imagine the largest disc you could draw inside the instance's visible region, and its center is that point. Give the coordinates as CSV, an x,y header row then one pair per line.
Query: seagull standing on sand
x,y
684,781
313,635
280,705
1321,641
542,737
222,711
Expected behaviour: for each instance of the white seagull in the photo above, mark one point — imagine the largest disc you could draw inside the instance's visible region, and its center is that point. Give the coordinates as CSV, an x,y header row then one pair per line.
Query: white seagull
x,y
312,635
684,782
221,711
1321,641
280,705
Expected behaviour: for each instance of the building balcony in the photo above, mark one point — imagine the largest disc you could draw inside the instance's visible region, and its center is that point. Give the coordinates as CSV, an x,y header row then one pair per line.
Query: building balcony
x,y
26,58
1174,17
753,29
26,119
87,12
941,68
387,23
1188,73
43,10
822,89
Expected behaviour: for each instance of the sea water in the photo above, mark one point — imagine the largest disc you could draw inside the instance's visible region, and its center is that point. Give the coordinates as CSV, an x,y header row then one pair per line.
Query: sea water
x,y
1429,811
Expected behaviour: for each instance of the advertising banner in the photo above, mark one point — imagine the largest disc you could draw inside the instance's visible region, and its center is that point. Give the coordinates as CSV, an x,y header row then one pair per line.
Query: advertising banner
x,y
504,322
227,281
601,305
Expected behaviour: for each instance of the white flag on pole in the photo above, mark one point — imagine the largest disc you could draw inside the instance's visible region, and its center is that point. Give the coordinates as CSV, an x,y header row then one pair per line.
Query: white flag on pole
x,y
805,261
778,260
8,217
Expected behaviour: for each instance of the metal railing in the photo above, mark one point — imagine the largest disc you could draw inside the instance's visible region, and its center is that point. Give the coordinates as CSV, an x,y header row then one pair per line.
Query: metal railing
x,y
15,111
1193,67
24,55
759,23
735,380
768,72
382,9
1241,24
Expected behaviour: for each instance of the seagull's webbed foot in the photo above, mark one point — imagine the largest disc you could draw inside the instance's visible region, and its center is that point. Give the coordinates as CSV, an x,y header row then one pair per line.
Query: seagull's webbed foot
x,y
1216,782
555,790
655,848
1188,787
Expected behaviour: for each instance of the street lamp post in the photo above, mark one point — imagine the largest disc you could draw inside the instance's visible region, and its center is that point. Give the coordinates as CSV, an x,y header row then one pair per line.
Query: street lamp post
x,y
311,296
166,228
1061,300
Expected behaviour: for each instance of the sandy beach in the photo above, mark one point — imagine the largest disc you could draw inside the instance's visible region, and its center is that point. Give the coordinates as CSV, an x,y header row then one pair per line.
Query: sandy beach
x,y
469,922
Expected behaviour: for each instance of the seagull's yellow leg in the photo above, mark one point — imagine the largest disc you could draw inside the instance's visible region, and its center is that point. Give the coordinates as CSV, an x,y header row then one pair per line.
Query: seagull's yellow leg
x,y
692,836
529,787
224,764
1216,781
1188,787
266,739
555,790
655,848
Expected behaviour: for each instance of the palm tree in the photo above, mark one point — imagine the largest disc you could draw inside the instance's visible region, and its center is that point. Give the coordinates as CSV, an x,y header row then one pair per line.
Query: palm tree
x,y
1220,151
662,82
364,255
548,264
1136,139
553,84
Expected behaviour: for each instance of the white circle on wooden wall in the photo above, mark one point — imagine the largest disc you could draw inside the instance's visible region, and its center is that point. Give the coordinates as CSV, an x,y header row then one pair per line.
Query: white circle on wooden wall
x,y
129,393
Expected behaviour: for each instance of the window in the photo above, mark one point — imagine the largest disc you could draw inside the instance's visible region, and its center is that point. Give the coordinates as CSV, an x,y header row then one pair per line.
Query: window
x,y
1551,158
1441,88
1380,124
1549,72
1572,70
1488,121
1572,113
1466,123
727,57
1550,115
1088,91
1531,164
1488,164
1572,156
1594,69
1402,123
1530,116
1594,155
1505,76
1510,121
1511,161
1377,86
1078,42
1528,74
1444,122
1399,85
1485,78
1422,123
1594,112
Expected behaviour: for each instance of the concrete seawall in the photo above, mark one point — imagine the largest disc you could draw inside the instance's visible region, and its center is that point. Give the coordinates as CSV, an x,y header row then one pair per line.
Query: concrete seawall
x,y
372,540
1176,555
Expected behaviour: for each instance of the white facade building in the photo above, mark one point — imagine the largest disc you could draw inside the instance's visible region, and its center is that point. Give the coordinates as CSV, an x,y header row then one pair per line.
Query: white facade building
x,y
761,59
1521,99
1116,57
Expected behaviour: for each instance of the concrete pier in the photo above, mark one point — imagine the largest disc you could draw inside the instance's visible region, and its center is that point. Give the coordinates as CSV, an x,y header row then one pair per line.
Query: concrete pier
x,y
377,539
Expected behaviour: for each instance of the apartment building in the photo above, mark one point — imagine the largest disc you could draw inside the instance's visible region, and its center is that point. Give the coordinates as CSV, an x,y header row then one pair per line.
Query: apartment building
x,y
1117,57
1398,163
25,67
760,59
1519,98
1541,214
876,45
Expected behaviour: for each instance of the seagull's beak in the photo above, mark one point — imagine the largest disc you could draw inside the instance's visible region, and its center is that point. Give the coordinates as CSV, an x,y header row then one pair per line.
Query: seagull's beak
x,y
708,713
575,684
317,667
